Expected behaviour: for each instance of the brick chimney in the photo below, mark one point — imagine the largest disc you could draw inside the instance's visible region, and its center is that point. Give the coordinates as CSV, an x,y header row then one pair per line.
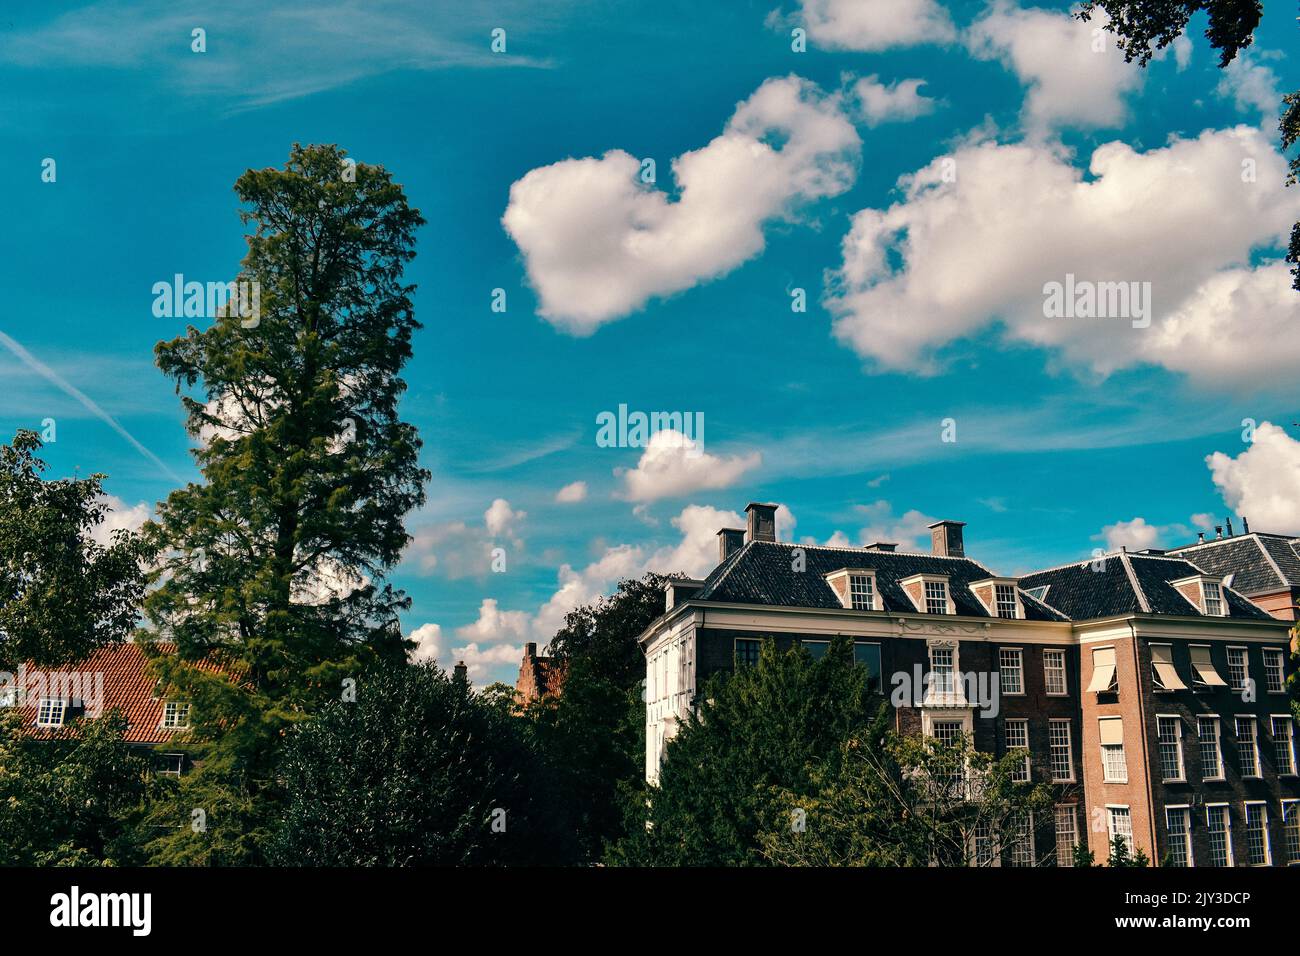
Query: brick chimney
x,y
461,672
945,539
730,540
530,649
762,521
1245,525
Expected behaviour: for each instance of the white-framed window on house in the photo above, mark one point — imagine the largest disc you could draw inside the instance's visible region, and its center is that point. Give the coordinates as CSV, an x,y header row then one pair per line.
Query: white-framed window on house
x,y
50,711
170,765
1119,823
747,650
1178,824
862,592
1291,830
1062,750
1218,826
1169,734
950,732
982,838
936,597
1164,676
1274,670
1213,595
1208,733
1004,596
1258,852
1011,670
1103,671
1017,738
1283,728
1054,672
1203,672
1247,745
943,672
1067,833
1022,838
1238,670
1113,766
176,715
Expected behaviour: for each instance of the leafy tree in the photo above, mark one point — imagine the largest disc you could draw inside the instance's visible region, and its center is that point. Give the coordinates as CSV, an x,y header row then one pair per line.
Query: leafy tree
x,y
1122,856
1083,856
759,739
71,801
61,594
274,564
1145,26
416,771
909,801
593,733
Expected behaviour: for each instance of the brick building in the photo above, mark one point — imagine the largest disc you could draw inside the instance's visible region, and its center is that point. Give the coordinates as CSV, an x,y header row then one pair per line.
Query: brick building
x,y
1264,567
539,677
1149,692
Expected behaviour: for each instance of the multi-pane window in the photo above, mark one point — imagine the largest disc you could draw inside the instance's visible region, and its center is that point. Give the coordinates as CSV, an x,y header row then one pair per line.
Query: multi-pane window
x,y
1005,598
868,656
1054,671
1207,730
1247,747
1237,668
50,711
1011,670
936,597
170,765
983,840
1017,736
1022,838
176,715
1257,850
1179,822
1291,830
862,592
1219,827
1119,823
1274,670
1067,834
1114,767
1169,732
1213,599
950,732
1062,750
1284,743
941,670
746,651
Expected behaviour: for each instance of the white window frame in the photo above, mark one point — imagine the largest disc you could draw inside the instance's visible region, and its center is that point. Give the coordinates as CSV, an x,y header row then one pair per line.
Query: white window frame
x,y
1177,742
1263,830
999,589
1052,724
1291,830
1022,852
1198,681
1245,669
1254,743
170,707
846,596
932,599
1049,654
46,709
1201,720
1186,812
1278,658
180,764
1212,810
1112,687
1157,682
1112,831
1064,810
1287,721
1109,750
1220,599
1017,667
955,695
1025,774
868,582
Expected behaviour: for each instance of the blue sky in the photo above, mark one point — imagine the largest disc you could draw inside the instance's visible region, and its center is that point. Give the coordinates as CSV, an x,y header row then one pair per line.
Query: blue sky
x,y
820,170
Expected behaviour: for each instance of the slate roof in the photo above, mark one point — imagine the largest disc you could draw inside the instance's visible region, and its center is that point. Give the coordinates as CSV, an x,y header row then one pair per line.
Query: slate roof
x,y
762,572
1129,584
1260,563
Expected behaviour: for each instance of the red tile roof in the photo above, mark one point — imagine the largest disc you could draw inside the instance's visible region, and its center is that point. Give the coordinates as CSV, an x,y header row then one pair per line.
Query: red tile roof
x,y
116,677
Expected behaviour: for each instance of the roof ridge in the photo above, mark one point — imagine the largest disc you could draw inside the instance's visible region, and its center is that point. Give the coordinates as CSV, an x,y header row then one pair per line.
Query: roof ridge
x,y
1133,582
864,550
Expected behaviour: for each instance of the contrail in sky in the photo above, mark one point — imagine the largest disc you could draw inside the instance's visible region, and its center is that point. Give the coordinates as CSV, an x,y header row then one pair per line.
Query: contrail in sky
x,y
57,380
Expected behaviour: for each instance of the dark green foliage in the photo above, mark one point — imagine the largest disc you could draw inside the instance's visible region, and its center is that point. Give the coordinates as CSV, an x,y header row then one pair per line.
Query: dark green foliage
x,y
410,774
74,801
1083,856
61,594
1145,26
1121,856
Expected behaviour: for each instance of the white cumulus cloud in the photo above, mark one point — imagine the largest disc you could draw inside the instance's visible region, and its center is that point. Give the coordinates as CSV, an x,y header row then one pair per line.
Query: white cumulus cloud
x,y
428,643
572,493
901,100
673,465
1263,482
870,26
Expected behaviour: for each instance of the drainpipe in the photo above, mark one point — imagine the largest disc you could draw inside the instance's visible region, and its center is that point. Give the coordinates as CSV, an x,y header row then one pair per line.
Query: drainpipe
x,y
1146,757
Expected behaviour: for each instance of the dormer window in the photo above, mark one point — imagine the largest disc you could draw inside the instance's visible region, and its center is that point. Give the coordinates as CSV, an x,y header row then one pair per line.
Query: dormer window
x,y
1204,593
855,588
936,597
929,593
1006,600
1000,597
1213,598
50,712
176,715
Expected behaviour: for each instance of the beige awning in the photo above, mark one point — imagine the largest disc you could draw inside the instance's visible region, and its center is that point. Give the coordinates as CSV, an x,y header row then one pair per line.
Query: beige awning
x,y
1162,661
1204,669
1112,730
1103,670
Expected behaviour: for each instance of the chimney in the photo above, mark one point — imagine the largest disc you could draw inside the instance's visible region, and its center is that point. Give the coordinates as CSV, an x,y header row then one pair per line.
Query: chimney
x,y
1218,532
530,649
1245,525
730,540
1229,521
461,672
762,521
883,546
945,539
1200,537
